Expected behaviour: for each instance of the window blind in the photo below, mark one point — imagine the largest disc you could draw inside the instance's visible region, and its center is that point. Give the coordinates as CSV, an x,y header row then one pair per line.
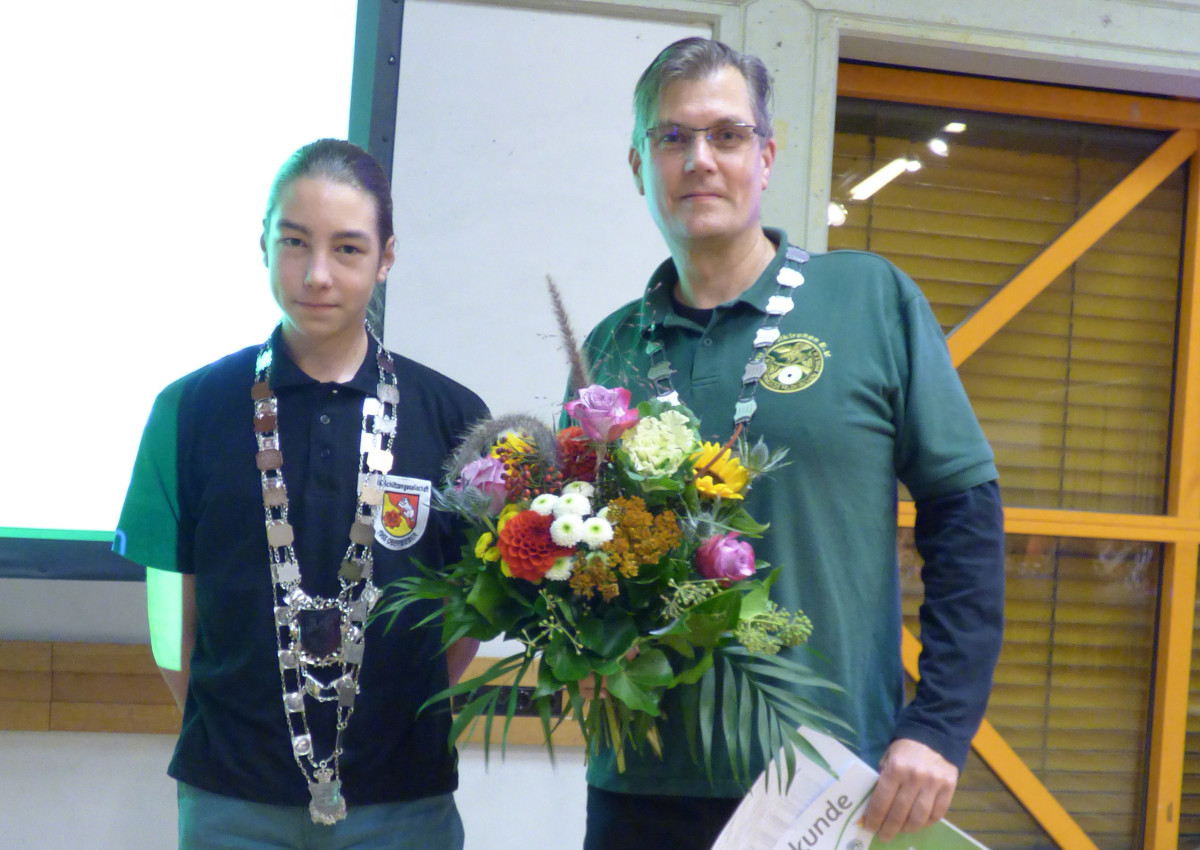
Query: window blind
x,y
1074,394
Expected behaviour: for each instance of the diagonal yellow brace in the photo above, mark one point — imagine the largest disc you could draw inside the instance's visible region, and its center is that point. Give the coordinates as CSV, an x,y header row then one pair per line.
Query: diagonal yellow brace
x,y
1177,605
1015,295
1008,767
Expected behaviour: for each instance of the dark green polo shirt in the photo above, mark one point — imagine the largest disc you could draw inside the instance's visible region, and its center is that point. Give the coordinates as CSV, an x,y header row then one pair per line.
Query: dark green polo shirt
x,y
195,506
861,390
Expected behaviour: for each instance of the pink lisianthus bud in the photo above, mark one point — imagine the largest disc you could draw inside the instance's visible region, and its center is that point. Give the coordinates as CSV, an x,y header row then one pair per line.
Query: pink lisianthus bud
x,y
603,414
486,475
725,558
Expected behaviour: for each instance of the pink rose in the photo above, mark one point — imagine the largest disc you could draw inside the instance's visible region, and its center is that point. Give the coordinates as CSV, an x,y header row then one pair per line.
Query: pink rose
x,y
603,414
487,476
725,558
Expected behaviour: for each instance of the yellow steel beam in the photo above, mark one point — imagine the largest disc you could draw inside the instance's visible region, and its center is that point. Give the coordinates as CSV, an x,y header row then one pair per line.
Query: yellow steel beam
x,y
1099,526
1012,98
1172,672
1183,494
1015,295
1008,767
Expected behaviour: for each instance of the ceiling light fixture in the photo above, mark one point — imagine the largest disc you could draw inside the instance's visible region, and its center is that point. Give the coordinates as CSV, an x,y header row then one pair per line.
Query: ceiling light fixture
x,y
869,186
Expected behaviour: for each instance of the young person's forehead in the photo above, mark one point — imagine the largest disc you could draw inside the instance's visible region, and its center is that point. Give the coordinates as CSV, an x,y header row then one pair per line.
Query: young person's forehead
x,y
317,198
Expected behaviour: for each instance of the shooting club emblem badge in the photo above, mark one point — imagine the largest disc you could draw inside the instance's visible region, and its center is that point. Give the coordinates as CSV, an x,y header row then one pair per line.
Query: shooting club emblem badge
x,y
795,362
402,517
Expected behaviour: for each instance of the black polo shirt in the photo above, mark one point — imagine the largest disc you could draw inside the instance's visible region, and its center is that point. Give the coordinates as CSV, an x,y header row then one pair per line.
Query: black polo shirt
x,y
195,506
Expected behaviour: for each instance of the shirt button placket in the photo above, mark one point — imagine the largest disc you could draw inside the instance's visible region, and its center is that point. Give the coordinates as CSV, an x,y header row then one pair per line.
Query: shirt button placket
x,y
704,364
323,437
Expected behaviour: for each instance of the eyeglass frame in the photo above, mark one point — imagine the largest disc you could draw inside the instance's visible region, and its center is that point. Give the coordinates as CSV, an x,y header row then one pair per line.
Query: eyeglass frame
x,y
706,131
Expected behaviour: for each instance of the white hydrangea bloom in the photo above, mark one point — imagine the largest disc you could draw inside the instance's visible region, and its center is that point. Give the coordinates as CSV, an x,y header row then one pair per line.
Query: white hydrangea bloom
x,y
544,504
583,488
658,445
567,530
596,532
562,570
572,503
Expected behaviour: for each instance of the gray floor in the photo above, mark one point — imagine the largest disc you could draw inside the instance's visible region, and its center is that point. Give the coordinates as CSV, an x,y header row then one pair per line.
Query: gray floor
x,y
88,791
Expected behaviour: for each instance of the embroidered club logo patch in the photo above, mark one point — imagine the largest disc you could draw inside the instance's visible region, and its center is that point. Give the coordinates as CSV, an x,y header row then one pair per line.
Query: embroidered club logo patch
x,y
794,363
404,513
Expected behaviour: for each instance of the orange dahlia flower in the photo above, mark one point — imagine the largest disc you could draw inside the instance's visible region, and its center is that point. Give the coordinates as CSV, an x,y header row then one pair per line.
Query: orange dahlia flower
x,y
526,546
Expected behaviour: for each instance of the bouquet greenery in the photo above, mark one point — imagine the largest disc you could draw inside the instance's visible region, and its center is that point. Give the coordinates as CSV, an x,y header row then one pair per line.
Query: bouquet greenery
x,y
614,550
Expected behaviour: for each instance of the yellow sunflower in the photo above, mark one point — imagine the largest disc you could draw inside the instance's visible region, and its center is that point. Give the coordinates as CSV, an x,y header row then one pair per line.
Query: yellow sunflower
x,y
723,474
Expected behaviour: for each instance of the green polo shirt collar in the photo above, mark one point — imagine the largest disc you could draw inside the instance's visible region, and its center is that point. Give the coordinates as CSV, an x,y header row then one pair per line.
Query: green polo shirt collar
x,y
656,303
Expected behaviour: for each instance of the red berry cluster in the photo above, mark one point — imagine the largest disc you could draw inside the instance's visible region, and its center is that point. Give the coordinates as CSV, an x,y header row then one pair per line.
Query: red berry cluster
x,y
525,482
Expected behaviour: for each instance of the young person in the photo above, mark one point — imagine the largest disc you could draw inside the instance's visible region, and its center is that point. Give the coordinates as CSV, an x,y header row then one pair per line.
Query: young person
x,y
274,493
838,358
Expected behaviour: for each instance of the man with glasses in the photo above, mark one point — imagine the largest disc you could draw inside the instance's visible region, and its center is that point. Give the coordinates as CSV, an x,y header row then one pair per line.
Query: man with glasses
x,y
839,358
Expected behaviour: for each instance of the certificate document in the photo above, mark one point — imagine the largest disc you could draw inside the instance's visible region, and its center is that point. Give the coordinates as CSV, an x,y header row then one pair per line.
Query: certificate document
x,y
821,810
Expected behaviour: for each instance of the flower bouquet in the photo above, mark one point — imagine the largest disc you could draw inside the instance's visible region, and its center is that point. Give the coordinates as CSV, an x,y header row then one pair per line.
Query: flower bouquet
x,y
614,551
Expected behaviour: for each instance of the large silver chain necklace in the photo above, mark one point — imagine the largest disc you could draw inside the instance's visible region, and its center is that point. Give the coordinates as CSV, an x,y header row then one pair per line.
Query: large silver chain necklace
x,y
778,306
320,640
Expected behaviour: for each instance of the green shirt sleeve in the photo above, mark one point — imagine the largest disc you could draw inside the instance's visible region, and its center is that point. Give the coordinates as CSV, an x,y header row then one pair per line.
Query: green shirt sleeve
x,y
148,531
940,448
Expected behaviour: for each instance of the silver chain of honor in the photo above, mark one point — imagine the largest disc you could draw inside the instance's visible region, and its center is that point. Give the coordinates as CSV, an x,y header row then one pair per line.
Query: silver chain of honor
x,y
778,306
347,612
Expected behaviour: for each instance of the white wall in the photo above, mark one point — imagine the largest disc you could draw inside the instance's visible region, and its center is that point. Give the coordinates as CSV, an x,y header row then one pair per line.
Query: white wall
x,y
510,165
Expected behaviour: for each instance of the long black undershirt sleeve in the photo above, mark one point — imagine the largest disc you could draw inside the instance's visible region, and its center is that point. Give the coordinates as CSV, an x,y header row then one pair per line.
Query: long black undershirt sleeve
x,y
960,536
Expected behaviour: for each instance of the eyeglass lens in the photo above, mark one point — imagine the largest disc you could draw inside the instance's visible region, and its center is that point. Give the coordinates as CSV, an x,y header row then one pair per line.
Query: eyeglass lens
x,y
723,137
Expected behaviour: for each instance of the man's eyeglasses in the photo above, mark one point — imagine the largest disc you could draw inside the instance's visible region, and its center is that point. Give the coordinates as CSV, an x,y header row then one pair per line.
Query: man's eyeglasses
x,y
675,139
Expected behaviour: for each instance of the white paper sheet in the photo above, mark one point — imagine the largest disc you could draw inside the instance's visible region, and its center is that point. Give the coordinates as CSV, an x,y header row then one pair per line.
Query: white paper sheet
x,y
820,811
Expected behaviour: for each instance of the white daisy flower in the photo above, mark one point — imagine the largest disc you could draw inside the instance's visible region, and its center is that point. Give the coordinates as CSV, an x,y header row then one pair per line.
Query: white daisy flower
x,y
562,569
566,530
583,488
572,503
596,531
544,504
